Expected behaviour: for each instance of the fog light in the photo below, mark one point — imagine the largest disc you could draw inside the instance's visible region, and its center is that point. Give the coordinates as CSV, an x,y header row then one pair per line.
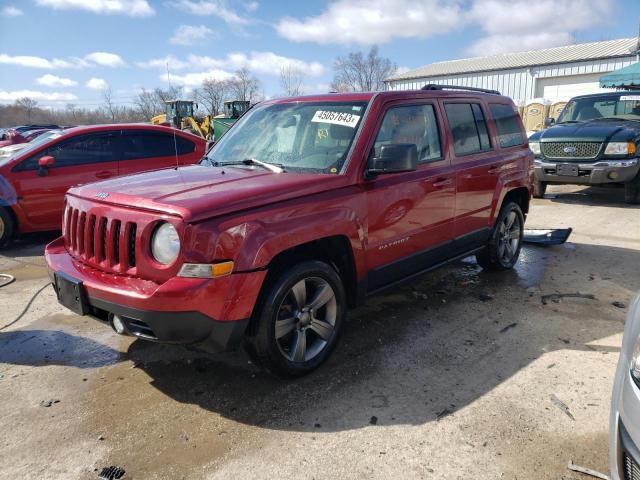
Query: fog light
x,y
118,324
613,175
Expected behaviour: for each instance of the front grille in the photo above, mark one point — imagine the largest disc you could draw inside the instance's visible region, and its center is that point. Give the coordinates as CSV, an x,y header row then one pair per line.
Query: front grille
x,y
631,468
108,243
571,150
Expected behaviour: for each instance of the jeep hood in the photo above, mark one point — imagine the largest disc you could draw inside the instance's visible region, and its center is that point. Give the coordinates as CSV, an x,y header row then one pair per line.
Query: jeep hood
x,y
199,192
600,130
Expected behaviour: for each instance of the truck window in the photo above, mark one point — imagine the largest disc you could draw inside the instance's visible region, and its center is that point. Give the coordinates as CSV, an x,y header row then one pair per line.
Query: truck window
x,y
468,128
507,124
415,124
146,144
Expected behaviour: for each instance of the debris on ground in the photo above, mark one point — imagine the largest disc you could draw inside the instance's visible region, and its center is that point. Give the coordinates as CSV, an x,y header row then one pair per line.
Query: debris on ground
x,y
48,403
485,297
618,304
421,295
508,327
557,297
444,413
586,471
562,406
547,237
373,420
111,473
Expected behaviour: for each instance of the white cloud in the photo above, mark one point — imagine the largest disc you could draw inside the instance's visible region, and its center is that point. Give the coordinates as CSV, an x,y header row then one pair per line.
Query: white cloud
x,y
49,80
96,58
132,8
11,11
369,22
11,96
97,83
251,6
267,63
191,34
105,59
511,25
219,8
195,79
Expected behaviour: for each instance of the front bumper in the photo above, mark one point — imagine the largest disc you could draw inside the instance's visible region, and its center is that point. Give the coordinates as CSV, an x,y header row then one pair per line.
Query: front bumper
x,y
211,312
594,173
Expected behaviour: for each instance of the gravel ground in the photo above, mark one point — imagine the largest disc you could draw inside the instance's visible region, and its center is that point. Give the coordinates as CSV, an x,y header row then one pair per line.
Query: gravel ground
x,y
451,376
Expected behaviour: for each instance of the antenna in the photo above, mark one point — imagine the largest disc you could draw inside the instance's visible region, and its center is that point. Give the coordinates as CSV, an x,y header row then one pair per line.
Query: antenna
x,y
175,142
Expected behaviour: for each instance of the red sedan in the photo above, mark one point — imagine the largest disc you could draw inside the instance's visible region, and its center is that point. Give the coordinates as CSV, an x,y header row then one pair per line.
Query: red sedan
x,y
33,181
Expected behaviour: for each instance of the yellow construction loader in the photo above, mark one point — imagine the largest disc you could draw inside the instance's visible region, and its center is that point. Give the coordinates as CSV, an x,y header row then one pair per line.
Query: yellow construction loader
x,y
179,114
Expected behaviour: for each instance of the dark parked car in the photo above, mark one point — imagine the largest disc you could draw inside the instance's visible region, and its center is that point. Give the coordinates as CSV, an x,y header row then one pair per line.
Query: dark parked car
x,y
594,142
33,180
302,209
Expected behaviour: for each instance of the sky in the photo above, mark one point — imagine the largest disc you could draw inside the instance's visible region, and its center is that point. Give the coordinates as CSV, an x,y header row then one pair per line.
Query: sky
x,y
67,51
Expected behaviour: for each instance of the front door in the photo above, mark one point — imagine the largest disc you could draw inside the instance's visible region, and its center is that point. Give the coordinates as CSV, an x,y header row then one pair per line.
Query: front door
x,y
409,214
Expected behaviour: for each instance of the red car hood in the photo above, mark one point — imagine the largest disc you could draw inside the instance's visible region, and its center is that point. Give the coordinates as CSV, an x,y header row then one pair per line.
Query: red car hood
x,y
197,192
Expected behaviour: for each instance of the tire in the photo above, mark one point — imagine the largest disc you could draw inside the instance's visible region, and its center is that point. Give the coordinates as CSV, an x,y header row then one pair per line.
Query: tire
x,y
632,191
503,249
7,226
285,320
539,188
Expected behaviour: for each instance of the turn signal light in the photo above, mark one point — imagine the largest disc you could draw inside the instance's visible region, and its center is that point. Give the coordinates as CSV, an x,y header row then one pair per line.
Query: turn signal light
x,y
206,270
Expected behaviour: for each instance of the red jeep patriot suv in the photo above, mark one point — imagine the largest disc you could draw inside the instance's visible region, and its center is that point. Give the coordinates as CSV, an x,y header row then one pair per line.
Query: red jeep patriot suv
x,y
305,207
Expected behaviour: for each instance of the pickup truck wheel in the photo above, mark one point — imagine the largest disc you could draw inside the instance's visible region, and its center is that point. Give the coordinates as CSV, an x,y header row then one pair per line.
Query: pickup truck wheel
x,y
7,227
503,249
299,319
539,188
632,191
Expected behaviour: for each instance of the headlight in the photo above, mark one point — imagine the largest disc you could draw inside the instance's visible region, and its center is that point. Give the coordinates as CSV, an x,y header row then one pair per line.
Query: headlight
x,y
165,244
535,147
620,148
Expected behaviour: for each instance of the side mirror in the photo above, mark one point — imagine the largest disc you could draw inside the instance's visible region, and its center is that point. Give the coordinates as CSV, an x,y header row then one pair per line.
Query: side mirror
x,y
549,121
394,158
44,163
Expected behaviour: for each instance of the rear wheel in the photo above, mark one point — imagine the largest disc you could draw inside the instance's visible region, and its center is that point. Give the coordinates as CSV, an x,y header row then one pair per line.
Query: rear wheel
x,y
539,188
7,226
299,319
503,249
632,191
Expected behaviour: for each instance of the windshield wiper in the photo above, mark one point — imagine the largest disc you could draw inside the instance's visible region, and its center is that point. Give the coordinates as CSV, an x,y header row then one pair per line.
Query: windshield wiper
x,y
272,167
569,121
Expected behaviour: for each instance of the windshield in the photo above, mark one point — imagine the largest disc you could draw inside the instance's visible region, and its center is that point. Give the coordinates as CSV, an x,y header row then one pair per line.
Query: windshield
x,y
621,105
45,137
300,136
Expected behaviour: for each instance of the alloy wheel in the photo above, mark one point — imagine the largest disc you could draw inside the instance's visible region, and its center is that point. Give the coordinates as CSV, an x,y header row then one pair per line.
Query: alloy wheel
x,y
509,237
306,318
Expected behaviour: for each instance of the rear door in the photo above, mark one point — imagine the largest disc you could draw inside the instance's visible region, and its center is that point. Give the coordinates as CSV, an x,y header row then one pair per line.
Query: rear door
x,y
477,165
80,159
144,150
409,214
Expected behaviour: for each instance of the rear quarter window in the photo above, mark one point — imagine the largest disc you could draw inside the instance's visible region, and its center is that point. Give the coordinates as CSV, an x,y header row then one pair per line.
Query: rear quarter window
x,y
143,144
507,124
468,128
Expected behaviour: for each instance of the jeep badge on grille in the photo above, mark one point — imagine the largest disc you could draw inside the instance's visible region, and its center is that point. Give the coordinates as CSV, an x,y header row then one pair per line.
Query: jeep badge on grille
x,y
102,195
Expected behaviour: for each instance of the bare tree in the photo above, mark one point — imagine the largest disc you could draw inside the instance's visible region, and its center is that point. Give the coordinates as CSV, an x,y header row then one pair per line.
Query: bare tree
x,y
171,93
212,95
357,73
28,105
148,104
245,86
110,107
291,80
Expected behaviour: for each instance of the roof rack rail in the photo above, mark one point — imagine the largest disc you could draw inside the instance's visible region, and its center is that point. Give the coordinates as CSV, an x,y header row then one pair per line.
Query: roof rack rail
x,y
433,86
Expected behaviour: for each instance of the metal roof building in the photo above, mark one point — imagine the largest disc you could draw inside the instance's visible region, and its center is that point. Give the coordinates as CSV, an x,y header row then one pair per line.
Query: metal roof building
x,y
552,73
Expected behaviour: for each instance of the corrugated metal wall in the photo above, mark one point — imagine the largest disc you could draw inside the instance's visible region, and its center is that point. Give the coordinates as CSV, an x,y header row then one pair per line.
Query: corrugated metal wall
x,y
518,84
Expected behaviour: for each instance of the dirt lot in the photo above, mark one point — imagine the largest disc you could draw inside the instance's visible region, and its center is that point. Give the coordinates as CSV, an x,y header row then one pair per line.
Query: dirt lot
x,y
449,377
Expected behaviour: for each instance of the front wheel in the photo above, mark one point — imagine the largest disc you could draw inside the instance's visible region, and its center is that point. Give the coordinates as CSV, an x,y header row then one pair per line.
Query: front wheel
x,y
503,249
539,188
7,227
632,191
298,320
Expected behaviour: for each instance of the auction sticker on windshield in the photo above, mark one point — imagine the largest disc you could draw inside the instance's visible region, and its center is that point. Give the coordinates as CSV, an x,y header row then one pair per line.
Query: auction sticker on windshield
x,y
337,118
630,98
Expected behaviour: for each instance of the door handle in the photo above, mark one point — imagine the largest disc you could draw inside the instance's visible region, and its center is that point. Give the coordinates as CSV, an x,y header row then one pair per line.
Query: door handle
x,y
442,182
104,174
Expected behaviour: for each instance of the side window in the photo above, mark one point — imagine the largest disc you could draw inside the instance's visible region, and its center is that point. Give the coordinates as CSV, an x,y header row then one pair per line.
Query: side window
x,y
142,144
508,125
80,150
468,128
415,124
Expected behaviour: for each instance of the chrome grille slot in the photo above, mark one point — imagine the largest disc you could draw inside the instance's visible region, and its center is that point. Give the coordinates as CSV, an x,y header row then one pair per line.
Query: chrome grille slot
x,y
81,233
571,150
